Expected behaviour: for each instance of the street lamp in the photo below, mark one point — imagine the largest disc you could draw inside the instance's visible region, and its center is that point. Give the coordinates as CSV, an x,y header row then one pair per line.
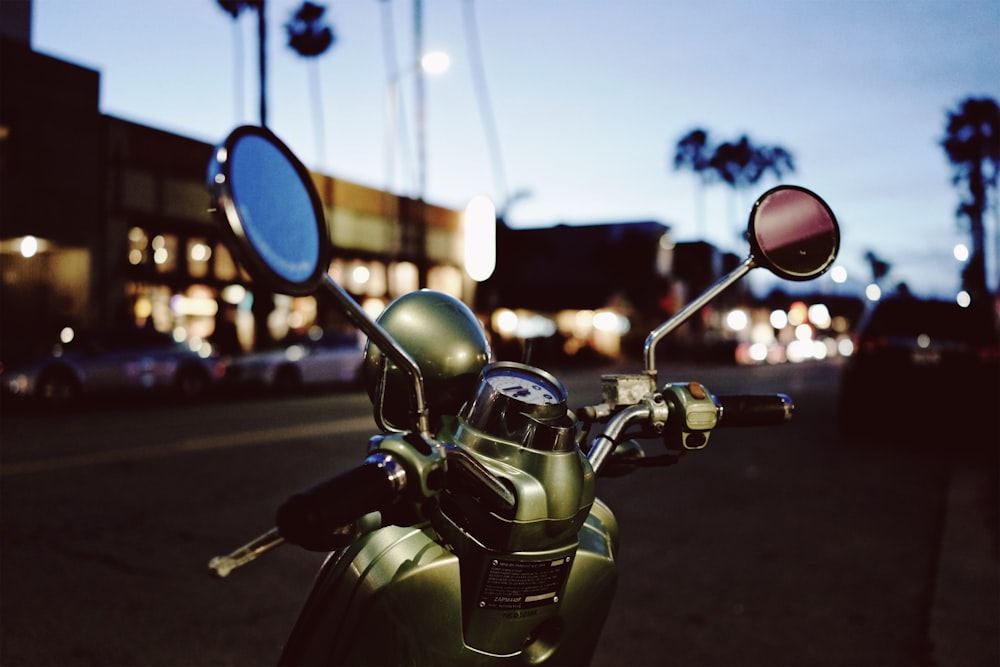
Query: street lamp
x,y
29,246
432,62
435,62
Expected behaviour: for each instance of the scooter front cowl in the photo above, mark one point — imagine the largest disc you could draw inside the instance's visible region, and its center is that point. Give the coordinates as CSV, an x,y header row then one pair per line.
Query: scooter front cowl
x,y
394,597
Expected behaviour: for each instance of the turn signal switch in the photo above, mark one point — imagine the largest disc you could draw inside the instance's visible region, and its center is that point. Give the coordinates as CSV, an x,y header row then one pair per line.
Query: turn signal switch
x,y
694,413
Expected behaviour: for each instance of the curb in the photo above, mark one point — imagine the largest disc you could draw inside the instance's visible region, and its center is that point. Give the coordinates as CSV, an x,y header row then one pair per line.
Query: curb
x,y
965,617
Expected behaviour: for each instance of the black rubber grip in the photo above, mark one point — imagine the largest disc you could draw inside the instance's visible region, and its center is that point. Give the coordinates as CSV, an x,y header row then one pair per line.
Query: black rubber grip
x,y
755,409
307,518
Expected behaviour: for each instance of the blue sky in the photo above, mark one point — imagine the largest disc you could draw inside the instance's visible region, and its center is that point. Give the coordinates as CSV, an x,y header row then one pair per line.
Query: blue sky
x,y
588,100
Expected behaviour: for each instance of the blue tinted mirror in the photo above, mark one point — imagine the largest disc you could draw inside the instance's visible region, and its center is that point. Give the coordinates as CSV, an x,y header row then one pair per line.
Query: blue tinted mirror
x,y
793,233
270,211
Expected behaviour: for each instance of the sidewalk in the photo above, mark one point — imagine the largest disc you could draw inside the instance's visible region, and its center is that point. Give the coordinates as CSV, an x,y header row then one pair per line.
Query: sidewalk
x,y
965,618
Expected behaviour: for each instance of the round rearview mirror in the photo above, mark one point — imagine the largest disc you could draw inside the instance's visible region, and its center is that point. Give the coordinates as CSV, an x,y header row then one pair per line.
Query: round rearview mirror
x,y
270,211
793,233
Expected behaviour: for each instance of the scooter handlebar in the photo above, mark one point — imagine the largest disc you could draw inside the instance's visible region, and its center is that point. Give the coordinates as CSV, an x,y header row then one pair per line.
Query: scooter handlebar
x,y
309,517
755,409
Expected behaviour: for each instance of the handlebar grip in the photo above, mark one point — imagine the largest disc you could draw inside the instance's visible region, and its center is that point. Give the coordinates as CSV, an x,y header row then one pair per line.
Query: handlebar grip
x,y
308,517
755,409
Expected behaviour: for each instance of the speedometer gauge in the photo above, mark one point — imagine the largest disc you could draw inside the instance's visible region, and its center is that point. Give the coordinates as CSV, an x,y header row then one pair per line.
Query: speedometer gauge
x,y
525,385
519,403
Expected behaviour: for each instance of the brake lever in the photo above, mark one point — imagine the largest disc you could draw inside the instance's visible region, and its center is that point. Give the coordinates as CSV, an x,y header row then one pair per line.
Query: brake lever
x,y
223,565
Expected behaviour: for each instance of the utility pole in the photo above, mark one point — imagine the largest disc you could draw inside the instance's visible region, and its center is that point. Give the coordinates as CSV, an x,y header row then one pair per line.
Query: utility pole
x,y
421,217
262,60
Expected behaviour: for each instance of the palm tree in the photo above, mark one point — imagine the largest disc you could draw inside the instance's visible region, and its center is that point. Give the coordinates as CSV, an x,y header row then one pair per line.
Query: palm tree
x,y
972,143
777,160
741,164
880,268
310,37
692,153
234,8
263,302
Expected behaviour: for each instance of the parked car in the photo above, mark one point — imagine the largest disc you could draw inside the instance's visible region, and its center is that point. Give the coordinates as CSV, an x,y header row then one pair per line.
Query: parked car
x,y
311,360
923,364
122,361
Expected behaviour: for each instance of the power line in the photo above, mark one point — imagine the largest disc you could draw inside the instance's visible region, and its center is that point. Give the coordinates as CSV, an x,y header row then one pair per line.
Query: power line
x,y
483,101
396,133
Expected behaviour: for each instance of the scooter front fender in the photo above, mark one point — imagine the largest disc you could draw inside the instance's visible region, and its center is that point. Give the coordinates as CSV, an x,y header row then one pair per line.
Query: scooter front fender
x,y
394,597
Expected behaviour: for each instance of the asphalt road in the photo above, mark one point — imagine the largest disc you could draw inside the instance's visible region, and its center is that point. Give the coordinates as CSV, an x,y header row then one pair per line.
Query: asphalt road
x,y
783,546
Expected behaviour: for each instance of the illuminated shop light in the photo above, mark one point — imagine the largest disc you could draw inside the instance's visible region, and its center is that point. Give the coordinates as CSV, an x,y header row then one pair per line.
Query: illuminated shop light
x,y
29,246
361,274
758,352
737,320
480,238
200,252
505,321
797,313
819,315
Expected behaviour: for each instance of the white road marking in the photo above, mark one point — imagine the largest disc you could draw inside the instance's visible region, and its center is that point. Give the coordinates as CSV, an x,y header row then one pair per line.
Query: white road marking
x,y
191,444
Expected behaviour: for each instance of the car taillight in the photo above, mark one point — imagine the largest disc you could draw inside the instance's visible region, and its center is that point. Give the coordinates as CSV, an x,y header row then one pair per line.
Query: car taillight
x,y
988,353
872,344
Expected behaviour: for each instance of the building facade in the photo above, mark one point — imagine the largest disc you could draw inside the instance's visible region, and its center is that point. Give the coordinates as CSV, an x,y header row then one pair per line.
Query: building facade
x,y
105,223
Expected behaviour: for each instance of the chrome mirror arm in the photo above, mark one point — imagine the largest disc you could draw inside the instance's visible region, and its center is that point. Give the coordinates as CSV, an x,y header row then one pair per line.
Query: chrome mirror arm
x,y
388,346
682,316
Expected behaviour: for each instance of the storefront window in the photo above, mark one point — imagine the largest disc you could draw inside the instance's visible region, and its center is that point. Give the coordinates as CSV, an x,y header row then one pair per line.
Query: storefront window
x,y
403,278
225,267
363,278
164,248
138,244
291,314
447,279
357,277
151,306
337,271
199,254
376,279
194,312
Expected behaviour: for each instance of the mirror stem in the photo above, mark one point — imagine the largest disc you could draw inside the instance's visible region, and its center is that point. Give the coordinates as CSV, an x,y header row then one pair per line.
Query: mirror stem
x,y
389,347
682,316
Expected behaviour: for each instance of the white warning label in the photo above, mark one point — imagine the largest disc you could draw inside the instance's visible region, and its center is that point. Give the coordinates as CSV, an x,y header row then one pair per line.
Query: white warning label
x,y
523,584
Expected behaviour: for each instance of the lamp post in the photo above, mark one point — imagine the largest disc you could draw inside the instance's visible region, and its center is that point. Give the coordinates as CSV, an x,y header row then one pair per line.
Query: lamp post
x,y
434,62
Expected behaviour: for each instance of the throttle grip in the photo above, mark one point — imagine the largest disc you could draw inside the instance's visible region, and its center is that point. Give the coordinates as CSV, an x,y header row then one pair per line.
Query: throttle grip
x,y
309,517
755,409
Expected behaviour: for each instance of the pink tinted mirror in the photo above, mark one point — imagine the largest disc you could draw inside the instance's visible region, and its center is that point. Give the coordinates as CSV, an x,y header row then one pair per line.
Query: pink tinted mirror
x,y
793,233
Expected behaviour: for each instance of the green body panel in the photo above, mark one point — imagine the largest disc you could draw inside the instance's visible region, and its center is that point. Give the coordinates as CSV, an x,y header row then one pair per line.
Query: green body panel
x,y
395,596
554,493
475,582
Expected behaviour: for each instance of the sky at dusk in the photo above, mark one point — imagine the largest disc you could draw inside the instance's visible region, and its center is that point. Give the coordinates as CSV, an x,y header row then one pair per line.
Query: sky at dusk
x,y
580,103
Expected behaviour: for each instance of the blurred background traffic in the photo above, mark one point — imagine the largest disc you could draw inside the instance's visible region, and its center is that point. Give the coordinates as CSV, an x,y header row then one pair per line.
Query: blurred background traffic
x,y
115,277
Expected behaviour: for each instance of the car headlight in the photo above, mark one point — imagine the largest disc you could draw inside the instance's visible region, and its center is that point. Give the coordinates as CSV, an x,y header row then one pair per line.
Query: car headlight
x,y
18,383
